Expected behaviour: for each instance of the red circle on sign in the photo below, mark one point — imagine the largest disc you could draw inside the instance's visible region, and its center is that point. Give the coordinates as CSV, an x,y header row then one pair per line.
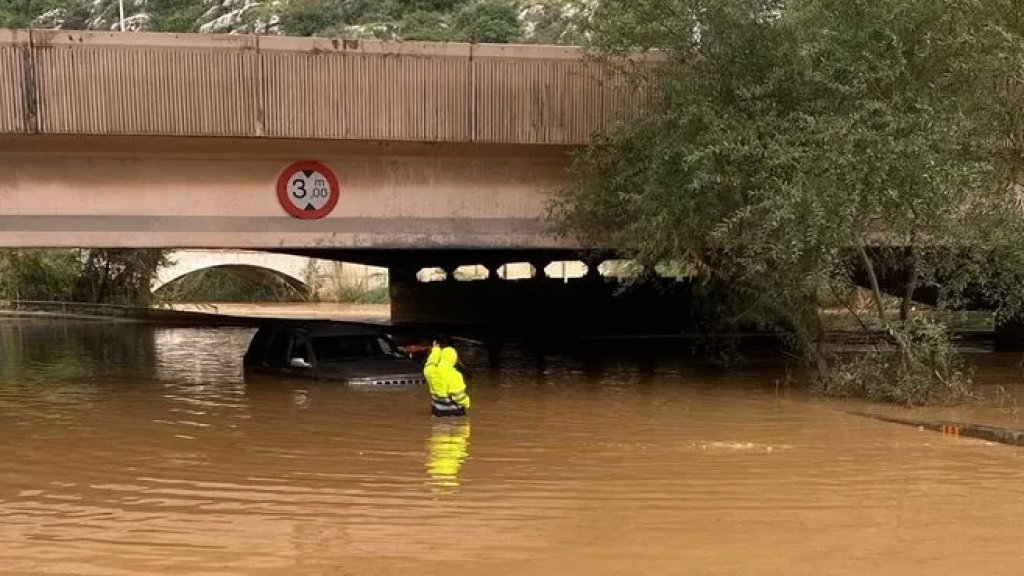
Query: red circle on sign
x,y
303,195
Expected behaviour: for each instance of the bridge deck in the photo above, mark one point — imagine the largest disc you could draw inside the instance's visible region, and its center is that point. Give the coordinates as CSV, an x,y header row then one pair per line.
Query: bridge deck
x,y
96,83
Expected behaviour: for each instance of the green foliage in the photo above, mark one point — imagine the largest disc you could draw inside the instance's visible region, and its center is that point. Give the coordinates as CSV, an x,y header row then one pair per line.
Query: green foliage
x,y
98,276
424,20
540,21
75,14
923,369
425,27
38,274
790,137
68,14
175,15
118,276
309,17
440,6
360,294
488,21
15,13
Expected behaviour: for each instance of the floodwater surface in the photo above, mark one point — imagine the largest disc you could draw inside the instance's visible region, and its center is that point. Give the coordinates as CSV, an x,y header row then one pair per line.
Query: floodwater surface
x,y
130,450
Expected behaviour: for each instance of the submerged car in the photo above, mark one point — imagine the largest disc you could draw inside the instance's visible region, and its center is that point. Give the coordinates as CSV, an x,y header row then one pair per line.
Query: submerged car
x,y
357,355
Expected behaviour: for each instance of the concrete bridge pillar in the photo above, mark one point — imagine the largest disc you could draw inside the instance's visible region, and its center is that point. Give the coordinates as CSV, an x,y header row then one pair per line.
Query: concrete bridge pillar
x,y
538,269
493,271
593,275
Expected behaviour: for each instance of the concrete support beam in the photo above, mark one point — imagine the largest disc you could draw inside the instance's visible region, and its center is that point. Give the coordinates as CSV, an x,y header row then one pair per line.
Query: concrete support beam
x,y
134,193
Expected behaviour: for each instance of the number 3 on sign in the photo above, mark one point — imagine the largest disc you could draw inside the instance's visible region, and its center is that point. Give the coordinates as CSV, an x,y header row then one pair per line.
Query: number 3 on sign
x,y
308,190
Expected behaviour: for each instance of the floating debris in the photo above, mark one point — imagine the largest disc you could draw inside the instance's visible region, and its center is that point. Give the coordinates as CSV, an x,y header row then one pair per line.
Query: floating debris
x,y
740,446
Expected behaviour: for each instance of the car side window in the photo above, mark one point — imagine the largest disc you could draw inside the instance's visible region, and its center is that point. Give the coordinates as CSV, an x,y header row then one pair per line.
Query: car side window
x,y
277,352
386,347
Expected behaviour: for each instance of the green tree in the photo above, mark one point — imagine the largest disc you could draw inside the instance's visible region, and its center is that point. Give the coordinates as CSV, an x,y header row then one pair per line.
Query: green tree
x,y
795,144
425,27
15,13
38,274
442,6
175,15
381,12
309,17
118,276
488,21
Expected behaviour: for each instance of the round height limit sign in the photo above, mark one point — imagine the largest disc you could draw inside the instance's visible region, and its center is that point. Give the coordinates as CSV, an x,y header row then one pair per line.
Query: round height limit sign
x,y
308,190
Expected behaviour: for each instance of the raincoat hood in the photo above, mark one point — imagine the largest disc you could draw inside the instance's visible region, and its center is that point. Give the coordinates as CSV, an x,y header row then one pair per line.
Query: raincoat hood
x,y
449,358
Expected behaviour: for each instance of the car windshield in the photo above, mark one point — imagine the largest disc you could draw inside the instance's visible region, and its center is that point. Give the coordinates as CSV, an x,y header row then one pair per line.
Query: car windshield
x,y
338,348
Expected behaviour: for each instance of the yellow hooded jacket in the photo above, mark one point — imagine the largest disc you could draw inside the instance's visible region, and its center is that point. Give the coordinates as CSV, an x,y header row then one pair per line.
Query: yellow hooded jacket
x,y
430,372
450,380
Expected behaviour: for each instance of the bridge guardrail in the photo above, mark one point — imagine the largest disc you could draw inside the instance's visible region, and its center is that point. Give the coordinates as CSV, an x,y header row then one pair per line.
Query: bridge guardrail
x,y
74,308
108,83
159,313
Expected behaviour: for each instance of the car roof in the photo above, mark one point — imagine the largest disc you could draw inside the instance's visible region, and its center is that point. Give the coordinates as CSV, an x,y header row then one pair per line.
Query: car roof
x,y
324,328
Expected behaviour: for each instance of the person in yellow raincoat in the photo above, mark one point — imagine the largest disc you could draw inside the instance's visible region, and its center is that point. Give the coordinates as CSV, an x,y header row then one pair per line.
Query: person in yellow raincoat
x,y
447,384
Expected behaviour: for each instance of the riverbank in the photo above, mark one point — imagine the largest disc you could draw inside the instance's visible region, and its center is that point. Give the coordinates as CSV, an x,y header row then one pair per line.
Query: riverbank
x,y
213,314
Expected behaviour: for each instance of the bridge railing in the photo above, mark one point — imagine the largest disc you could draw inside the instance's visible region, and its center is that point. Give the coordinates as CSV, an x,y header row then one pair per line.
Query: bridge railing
x,y
59,82
65,308
161,313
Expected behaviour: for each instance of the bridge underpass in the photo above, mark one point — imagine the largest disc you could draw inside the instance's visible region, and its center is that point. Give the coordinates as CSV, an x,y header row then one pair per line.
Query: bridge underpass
x,y
443,155
435,155
504,290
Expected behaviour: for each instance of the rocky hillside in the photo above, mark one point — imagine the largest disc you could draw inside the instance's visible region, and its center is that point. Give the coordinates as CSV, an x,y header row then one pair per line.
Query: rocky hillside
x,y
536,21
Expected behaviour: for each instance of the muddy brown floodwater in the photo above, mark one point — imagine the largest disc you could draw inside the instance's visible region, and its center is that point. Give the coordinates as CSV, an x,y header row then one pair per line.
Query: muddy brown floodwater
x,y
136,450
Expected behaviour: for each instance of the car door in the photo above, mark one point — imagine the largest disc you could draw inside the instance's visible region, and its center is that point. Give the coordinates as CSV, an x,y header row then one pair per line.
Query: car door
x,y
276,357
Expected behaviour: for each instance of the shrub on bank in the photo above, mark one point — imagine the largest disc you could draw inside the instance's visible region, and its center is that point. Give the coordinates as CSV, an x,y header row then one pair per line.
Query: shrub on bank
x,y
358,294
918,365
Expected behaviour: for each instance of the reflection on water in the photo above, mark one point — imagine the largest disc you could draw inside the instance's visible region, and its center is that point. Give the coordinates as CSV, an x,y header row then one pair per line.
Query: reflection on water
x,y
449,448
132,450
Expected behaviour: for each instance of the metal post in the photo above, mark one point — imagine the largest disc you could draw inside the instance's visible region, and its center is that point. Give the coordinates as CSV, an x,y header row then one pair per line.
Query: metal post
x,y
120,8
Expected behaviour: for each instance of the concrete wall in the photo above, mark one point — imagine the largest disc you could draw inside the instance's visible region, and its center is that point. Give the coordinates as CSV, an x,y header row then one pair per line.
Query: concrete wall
x,y
221,193
177,140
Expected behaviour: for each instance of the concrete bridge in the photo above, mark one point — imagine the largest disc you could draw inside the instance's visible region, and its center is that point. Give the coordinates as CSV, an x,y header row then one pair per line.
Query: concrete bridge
x,y
328,278
301,273
401,155
405,156
166,140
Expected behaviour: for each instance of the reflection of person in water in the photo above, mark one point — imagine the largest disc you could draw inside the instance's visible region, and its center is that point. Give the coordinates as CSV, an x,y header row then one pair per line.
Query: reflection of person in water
x,y
449,448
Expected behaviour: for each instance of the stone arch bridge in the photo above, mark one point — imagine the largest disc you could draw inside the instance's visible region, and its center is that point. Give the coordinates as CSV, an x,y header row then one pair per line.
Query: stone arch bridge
x,y
298,272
